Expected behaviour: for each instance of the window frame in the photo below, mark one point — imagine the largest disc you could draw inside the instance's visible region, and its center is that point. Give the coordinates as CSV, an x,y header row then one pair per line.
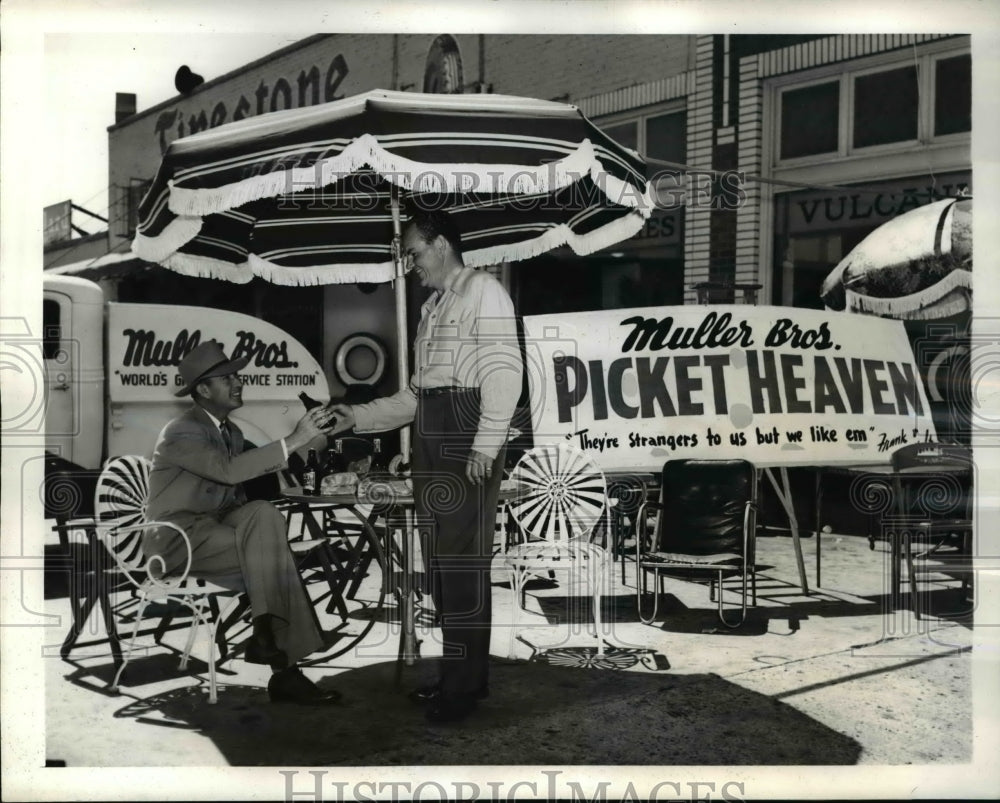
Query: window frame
x,y
52,331
947,153
933,59
639,117
842,121
851,79
846,73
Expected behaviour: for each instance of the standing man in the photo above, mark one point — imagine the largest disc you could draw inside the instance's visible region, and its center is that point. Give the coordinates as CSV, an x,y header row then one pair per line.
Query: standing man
x,y
462,396
198,465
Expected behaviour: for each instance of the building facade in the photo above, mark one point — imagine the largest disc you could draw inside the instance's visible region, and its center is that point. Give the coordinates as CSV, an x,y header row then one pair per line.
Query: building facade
x,y
830,136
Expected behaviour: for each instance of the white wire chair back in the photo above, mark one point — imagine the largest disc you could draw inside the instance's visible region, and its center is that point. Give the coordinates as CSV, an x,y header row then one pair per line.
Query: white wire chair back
x,y
561,498
121,518
562,494
120,511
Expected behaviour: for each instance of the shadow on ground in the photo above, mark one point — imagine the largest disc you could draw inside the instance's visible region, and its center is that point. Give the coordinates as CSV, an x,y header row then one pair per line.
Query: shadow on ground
x,y
538,713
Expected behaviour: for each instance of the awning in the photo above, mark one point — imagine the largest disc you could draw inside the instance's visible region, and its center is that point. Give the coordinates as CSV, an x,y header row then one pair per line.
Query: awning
x,y
106,266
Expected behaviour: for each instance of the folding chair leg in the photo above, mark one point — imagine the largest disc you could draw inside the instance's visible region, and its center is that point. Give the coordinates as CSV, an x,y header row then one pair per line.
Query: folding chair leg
x,y
364,561
335,583
80,615
161,629
110,626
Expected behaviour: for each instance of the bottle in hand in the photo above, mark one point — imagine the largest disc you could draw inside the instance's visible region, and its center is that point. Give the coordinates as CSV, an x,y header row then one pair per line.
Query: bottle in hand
x,y
310,474
308,401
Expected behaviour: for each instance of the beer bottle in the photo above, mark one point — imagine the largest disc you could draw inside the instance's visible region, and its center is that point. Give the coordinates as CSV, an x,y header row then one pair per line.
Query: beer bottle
x,y
310,474
308,401
327,466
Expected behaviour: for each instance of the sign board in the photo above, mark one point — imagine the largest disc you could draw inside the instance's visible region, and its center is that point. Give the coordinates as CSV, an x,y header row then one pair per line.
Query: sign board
x,y
147,341
56,226
813,211
775,385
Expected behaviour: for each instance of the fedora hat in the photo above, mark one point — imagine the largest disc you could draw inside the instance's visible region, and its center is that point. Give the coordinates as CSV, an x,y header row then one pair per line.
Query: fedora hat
x,y
205,361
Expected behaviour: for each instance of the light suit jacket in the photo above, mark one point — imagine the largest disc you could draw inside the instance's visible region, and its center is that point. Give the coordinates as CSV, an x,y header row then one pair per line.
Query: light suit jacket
x,y
193,475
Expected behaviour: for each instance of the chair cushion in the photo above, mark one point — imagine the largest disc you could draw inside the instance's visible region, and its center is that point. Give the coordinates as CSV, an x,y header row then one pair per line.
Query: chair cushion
x,y
704,506
683,559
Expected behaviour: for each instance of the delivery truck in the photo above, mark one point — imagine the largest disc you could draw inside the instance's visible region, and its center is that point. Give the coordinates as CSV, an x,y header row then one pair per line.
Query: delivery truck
x,y
111,373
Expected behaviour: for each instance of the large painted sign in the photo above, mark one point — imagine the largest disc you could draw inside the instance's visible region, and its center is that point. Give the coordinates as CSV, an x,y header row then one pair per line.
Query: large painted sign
x,y
774,385
147,341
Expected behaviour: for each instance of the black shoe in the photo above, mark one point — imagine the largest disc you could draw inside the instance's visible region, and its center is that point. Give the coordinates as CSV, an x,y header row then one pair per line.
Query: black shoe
x,y
450,709
428,694
291,686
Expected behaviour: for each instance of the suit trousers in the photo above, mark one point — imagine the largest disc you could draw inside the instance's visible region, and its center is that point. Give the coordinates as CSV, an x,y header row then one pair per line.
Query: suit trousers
x,y
248,546
458,521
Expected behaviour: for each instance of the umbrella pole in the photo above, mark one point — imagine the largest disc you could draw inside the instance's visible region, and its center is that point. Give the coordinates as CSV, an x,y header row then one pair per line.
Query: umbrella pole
x,y
409,647
402,342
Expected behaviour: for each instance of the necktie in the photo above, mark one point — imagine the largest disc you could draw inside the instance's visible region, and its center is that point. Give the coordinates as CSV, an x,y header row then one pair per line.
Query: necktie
x,y
227,437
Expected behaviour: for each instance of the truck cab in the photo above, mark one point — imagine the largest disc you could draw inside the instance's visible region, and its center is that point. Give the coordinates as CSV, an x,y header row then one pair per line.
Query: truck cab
x,y
73,350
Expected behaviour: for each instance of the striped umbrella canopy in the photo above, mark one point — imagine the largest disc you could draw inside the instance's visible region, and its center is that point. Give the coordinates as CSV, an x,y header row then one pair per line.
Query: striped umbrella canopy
x,y
308,196
917,266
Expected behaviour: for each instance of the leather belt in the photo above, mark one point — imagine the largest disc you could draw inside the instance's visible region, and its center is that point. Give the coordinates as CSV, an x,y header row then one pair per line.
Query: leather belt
x,y
426,393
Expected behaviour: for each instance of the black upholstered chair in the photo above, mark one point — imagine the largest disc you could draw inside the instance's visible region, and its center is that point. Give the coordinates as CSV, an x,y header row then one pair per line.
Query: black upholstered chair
x,y
933,519
705,525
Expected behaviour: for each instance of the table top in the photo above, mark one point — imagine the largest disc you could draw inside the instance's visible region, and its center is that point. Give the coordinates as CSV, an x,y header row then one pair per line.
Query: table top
x,y
296,494
387,491
887,470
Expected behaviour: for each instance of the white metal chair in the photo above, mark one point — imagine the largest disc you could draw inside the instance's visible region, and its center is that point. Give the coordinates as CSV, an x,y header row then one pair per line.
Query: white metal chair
x,y
562,497
120,513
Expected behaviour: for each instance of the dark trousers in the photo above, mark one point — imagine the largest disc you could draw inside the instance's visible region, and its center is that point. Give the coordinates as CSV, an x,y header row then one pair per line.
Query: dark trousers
x,y
458,520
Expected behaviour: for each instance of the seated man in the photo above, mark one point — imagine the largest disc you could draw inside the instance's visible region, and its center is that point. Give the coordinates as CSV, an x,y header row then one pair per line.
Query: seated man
x,y
198,465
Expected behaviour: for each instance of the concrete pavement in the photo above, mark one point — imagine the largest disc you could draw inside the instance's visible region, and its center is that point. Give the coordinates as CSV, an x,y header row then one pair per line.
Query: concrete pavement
x,y
829,678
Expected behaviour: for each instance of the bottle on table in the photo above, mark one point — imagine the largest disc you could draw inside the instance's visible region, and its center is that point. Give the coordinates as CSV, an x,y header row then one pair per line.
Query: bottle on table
x,y
310,474
328,466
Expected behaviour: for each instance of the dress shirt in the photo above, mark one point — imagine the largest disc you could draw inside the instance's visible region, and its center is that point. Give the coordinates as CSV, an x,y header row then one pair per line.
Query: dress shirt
x,y
467,338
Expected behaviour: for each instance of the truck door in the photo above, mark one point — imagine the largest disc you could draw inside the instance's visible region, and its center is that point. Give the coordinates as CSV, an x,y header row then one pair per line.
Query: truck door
x,y
72,346
60,387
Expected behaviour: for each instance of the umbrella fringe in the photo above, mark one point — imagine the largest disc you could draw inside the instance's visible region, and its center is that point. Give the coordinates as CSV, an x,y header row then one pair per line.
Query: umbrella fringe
x,y
375,273
609,234
416,177
321,274
582,244
176,233
207,268
947,297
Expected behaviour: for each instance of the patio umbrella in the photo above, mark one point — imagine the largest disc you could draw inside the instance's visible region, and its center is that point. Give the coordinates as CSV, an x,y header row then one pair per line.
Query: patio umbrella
x,y
314,195
917,266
